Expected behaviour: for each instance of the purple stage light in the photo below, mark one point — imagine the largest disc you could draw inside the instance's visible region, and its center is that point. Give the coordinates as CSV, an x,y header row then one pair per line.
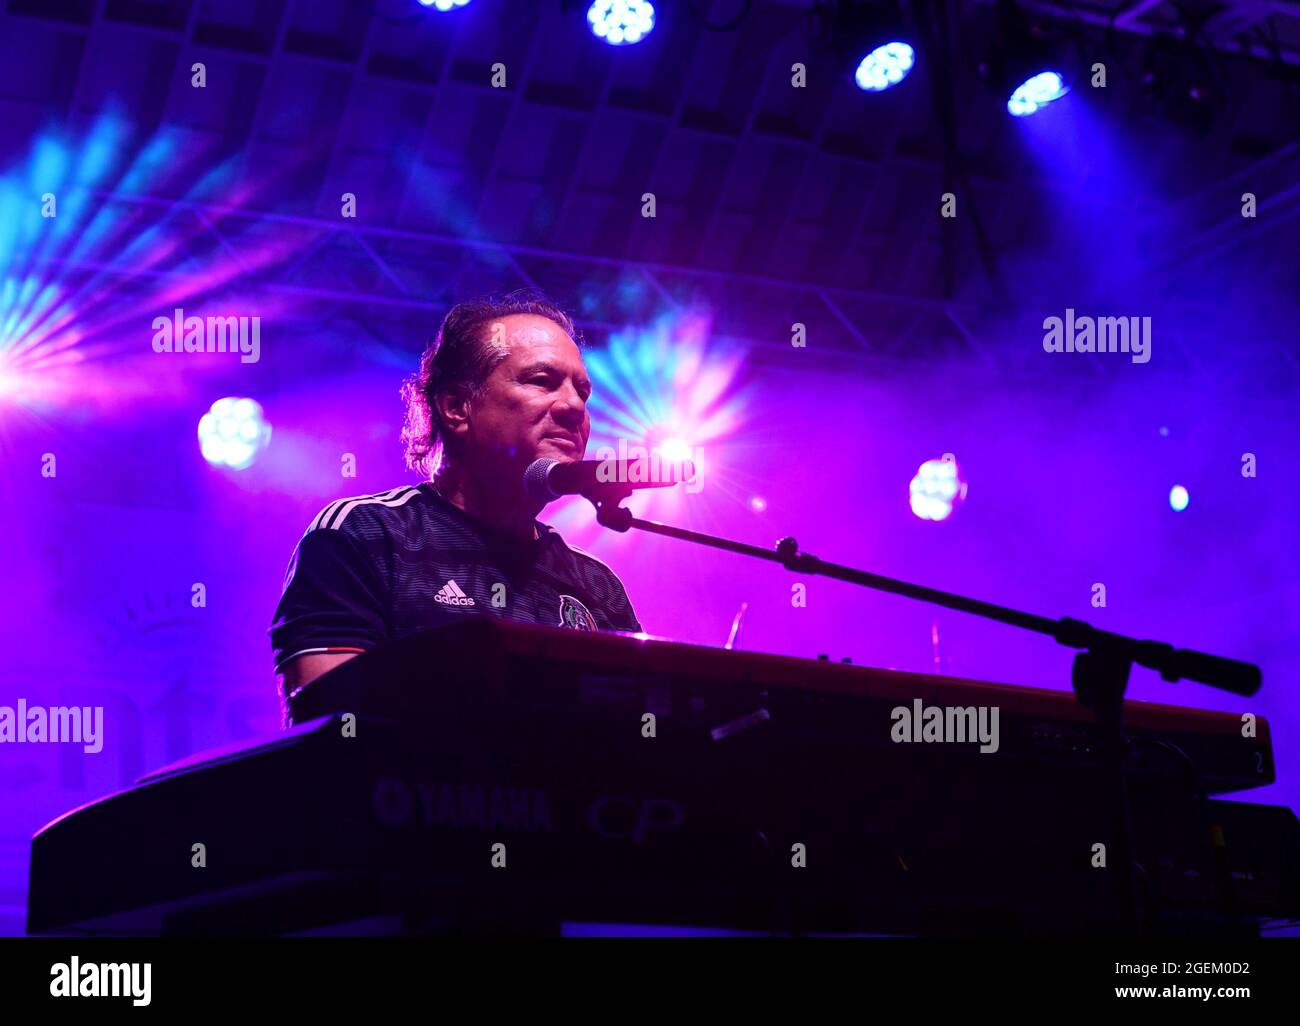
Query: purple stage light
x,y
675,450
937,488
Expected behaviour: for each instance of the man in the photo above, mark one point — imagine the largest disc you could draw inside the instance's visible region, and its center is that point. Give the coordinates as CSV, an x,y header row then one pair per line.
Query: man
x,y
502,384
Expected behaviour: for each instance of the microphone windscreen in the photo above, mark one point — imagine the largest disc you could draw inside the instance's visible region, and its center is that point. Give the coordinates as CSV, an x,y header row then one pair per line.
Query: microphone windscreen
x,y
1226,674
536,482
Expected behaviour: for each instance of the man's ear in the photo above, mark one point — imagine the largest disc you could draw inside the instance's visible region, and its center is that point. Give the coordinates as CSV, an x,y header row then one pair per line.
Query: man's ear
x,y
453,409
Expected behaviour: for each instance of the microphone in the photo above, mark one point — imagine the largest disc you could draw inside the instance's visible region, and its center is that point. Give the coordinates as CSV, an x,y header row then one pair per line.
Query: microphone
x,y
546,479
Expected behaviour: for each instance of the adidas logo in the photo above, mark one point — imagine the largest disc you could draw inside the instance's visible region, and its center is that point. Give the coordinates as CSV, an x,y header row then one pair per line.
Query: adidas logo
x,y
451,595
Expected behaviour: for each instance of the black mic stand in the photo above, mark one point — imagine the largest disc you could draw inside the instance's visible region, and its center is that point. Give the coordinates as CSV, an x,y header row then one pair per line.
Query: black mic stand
x,y
1099,675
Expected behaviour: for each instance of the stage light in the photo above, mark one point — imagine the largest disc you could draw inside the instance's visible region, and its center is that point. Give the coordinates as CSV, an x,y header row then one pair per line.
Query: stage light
x,y
233,432
10,381
675,450
937,488
1025,67
885,66
869,41
1178,498
757,503
667,385
621,22
1036,92
443,5
56,328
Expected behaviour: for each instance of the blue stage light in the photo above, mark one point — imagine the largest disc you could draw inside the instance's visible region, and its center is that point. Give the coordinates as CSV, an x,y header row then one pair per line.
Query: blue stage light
x,y
885,66
443,5
233,432
1036,92
1178,498
621,22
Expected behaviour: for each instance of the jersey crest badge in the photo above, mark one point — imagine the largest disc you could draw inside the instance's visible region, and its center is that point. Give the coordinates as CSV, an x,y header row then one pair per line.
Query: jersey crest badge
x,y
574,615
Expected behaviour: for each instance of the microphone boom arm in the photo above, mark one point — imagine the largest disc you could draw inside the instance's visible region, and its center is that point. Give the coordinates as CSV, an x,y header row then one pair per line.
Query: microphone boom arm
x,y
1172,664
1099,675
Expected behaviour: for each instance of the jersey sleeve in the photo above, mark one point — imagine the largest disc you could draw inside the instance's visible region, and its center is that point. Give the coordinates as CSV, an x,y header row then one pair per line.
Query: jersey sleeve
x,y
335,599
619,609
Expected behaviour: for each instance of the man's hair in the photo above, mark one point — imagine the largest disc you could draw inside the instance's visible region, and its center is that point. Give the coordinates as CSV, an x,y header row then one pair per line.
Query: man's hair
x,y
459,359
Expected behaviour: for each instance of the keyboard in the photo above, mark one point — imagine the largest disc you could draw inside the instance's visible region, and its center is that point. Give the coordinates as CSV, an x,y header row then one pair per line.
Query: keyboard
x,y
494,777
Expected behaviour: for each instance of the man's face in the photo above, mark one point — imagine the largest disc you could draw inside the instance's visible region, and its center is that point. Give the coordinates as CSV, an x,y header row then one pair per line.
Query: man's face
x,y
535,400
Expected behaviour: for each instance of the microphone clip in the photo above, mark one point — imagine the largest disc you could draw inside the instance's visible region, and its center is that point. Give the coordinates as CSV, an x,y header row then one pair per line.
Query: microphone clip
x,y
608,498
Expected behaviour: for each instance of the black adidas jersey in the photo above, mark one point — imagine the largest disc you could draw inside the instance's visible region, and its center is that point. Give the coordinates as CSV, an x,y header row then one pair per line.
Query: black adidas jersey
x,y
376,568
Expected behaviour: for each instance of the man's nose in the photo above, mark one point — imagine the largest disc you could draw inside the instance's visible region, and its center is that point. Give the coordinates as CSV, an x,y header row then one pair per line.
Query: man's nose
x,y
570,404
